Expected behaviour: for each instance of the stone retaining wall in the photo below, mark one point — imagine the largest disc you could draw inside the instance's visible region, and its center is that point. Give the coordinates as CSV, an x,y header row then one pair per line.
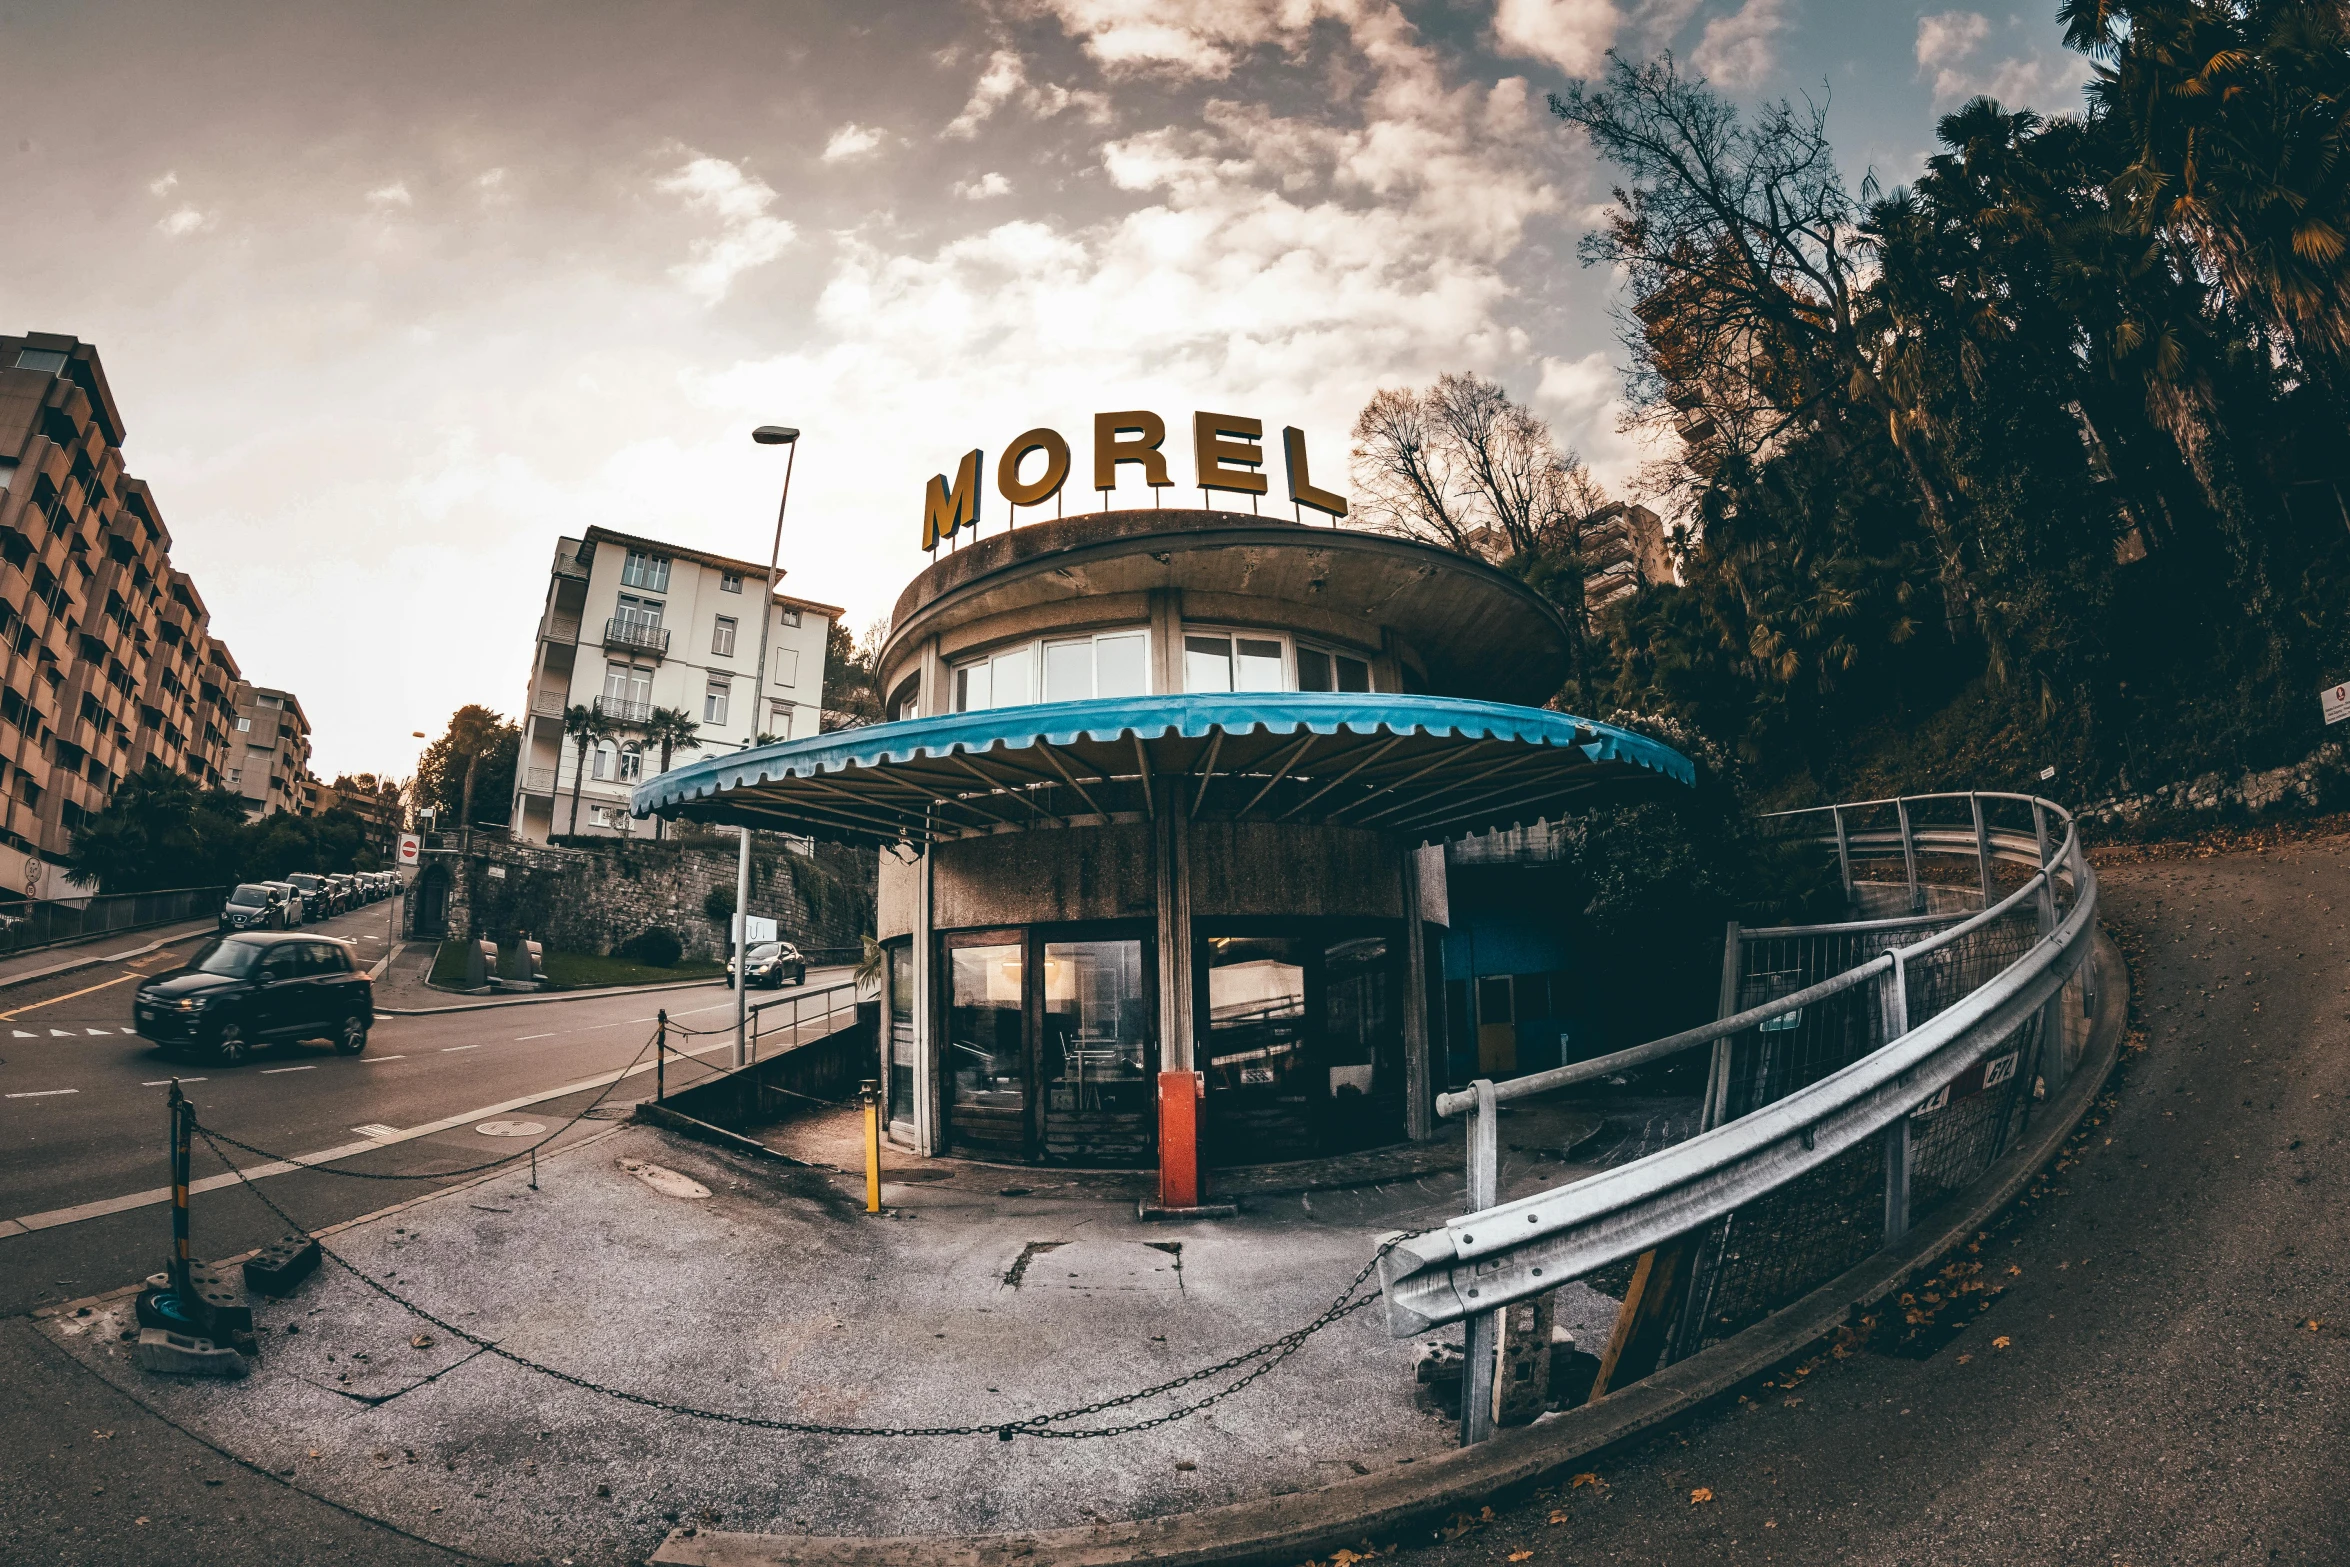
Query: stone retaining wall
x,y
2308,784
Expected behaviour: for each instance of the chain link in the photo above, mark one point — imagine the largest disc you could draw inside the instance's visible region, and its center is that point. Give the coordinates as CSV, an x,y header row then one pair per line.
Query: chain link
x,y
1267,1355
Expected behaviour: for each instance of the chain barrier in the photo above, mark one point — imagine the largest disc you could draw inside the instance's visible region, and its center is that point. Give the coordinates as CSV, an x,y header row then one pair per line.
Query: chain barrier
x,y
1267,1355
524,1152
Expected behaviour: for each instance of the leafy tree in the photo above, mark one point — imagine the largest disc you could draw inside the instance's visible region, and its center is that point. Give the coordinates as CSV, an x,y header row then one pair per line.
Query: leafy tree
x,y
159,831
673,730
587,728
849,670
473,760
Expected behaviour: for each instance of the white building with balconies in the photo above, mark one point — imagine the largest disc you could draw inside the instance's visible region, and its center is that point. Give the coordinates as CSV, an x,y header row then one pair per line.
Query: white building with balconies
x,y
634,625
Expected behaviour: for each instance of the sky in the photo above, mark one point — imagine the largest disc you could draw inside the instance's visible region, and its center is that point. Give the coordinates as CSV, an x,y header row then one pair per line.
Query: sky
x,y
393,296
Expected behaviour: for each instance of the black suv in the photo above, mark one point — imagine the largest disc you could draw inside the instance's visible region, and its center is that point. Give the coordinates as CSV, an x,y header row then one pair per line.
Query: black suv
x,y
319,898
252,907
242,991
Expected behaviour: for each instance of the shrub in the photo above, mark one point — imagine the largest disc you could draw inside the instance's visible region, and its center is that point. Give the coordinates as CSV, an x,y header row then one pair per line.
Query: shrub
x,y
718,906
658,947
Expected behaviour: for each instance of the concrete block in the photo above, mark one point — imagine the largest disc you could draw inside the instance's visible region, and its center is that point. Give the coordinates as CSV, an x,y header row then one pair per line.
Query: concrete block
x,y
218,1301
279,1269
166,1353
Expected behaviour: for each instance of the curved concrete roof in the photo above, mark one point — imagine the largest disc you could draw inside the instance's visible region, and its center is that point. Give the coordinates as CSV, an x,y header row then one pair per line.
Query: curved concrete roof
x,y
1478,632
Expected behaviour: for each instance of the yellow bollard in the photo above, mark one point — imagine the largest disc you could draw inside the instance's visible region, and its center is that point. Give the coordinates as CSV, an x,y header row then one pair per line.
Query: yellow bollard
x,y
871,1094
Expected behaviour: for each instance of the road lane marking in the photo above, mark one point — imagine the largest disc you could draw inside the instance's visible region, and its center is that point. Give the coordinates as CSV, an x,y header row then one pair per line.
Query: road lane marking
x,y
36,1006
45,1093
452,1049
272,1071
376,1129
103,1033
61,1033
212,1183
165,1082
23,1034
383,1058
523,1038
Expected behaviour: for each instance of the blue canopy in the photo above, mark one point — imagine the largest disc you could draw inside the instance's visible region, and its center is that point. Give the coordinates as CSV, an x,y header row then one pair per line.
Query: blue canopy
x,y
1433,767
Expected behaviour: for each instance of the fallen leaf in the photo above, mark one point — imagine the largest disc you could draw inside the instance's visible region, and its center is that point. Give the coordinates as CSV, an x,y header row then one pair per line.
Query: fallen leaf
x,y
1963,1359
2313,1324
138,1520
1701,1494
421,1341
2000,1342
1557,1517
1585,1479
1521,1556
1770,1523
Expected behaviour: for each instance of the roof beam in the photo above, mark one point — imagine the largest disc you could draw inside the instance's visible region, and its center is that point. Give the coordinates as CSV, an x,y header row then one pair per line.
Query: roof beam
x,y
1296,756
1376,748
1414,810
1207,773
1414,776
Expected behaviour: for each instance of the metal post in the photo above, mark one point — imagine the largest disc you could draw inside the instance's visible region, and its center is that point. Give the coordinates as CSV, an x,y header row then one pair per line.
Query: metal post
x,y
1483,1350
1843,853
1909,859
1717,1083
1896,1135
661,1057
742,926
870,1092
183,1125
1982,849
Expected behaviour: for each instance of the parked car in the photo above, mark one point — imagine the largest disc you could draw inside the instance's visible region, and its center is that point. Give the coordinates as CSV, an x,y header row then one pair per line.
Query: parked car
x,y
252,906
773,964
318,893
346,889
246,990
297,907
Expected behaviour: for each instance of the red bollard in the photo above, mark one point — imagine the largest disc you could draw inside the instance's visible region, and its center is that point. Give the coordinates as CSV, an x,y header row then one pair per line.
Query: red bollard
x,y
1181,1098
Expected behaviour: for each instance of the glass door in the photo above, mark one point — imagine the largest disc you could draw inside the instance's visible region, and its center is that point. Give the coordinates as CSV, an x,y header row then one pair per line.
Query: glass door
x,y
901,1035
1260,1094
985,1062
1099,1054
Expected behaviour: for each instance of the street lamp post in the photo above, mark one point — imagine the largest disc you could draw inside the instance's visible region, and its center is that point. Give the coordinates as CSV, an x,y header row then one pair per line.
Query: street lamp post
x,y
765,435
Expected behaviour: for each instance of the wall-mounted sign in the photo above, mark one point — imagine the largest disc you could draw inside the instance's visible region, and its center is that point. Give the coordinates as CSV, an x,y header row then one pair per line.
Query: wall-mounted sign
x,y
2334,702
1228,455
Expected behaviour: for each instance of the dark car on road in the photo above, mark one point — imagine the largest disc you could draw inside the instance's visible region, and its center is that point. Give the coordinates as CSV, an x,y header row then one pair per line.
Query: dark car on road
x,y
243,991
318,895
252,906
774,964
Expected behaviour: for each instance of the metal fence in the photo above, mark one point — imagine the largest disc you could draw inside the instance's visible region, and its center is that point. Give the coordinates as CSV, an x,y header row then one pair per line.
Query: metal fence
x,y
1861,1074
803,1017
46,922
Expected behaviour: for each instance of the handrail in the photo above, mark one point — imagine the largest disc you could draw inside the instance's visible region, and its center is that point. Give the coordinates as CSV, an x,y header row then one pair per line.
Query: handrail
x,y
797,1000
1461,1101
1476,1264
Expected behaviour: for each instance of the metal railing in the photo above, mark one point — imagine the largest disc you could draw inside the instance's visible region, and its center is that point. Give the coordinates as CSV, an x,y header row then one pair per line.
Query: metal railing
x,y
1860,1074
29,923
638,635
800,1028
622,711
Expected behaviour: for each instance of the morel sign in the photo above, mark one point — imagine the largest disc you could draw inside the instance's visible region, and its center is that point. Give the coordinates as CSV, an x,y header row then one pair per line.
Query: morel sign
x,y
1228,454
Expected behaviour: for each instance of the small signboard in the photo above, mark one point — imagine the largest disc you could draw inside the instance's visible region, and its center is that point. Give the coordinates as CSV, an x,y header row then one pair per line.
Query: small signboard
x,y
762,928
411,850
2047,773
2335,702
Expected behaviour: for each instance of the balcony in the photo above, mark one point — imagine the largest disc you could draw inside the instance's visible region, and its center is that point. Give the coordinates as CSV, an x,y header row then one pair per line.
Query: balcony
x,y
570,565
538,780
546,704
622,711
637,636
559,628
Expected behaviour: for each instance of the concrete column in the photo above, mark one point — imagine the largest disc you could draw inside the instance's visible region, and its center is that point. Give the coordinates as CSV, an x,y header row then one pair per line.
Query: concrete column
x,y
1166,640
935,698
1171,862
1419,1102
928,1121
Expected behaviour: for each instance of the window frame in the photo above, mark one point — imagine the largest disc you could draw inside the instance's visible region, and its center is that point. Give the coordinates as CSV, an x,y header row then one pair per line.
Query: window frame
x,y
723,630
1039,650
730,582
718,690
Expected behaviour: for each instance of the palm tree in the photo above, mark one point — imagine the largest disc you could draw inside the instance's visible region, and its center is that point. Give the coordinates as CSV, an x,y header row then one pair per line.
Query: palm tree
x,y
672,729
587,727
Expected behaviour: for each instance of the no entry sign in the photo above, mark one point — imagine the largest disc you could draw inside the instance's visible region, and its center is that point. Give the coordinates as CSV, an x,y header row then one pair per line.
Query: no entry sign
x,y
411,849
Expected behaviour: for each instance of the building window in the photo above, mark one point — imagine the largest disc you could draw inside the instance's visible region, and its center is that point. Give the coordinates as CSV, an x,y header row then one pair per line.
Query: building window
x,y
244,726
1320,669
599,816
785,615
649,572
722,638
714,699
632,763
1077,669
637,611
1218,661
48,361
605,761
787,666
730,582
779,719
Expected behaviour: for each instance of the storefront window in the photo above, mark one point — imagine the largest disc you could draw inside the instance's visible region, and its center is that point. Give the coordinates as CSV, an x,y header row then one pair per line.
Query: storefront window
x,y
987,1110
901,1034
1256,1016
1361,1052
1098,1049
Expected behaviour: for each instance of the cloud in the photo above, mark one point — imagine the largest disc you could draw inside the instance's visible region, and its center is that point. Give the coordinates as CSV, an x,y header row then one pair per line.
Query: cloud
x,y
1573,35
748,236
987,185
1741,49
1004,80
851,141
187,220
393,195
165,185
1949,50
1203,39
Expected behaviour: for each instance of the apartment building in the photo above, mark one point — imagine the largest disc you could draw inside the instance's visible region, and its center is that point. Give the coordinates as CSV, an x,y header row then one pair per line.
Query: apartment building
x,y
1623,547
270,762
107,660
634,625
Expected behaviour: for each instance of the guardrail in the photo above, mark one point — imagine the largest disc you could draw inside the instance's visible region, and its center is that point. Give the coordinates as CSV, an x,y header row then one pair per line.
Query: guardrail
x,y
47,922
789,1034
1859,1074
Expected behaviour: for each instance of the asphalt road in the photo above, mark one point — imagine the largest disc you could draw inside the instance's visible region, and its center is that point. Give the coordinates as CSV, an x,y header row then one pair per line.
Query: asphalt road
x,y
2149,1388
82,1120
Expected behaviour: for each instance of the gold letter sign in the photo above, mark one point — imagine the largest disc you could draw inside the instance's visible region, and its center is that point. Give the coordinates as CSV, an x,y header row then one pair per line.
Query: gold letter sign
x,y
943,511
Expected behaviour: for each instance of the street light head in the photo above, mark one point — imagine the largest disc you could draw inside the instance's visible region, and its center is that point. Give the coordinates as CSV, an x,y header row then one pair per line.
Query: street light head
x,y
775,435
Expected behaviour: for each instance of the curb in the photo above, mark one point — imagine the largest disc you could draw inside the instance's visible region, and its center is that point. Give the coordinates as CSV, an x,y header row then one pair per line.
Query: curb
x,y
33,976
648,1113
1280,1530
